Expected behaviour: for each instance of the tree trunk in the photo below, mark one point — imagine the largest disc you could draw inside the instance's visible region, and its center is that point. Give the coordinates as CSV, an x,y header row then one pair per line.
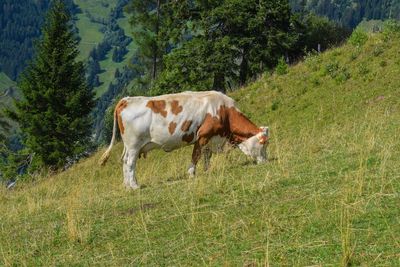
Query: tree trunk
x,y
244,69
219,82
155,48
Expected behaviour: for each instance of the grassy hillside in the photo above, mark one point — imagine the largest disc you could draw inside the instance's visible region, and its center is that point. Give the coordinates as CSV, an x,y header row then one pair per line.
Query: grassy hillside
x,y
5,83
89,31
328,196
91,36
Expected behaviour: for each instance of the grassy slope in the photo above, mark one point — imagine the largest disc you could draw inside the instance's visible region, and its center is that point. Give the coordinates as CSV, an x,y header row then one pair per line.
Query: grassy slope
x,y
91,36
89,31
329,195
109,65
5,83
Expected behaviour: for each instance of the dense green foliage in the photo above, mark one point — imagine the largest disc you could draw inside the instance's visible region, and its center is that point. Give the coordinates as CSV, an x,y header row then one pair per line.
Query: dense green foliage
x,y
235,40
329,195
202,45
53,114
149,21
350,13
20,23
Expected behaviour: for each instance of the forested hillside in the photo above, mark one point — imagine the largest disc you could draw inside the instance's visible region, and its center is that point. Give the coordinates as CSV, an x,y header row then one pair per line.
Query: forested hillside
x,y
20,23
349,12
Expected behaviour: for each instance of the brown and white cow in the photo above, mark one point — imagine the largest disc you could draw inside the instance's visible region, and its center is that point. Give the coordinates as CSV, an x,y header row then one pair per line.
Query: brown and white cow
x,y
204,119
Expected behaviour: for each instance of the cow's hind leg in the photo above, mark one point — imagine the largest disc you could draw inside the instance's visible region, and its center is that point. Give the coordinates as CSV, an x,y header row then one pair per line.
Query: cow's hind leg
x,y
196,154
207,158
129,168
125,167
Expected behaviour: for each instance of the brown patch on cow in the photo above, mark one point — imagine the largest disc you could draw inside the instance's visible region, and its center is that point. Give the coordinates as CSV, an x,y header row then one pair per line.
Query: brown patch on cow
x,y
117,113
172,127
188,137
229,123
186,126
158,106
175,108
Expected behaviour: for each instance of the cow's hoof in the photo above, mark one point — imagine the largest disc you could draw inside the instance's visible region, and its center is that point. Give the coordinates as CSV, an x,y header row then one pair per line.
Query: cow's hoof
x,y
132,187
191,172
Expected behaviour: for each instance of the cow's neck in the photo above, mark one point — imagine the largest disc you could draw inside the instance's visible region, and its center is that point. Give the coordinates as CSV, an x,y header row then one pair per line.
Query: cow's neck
x,y
241,127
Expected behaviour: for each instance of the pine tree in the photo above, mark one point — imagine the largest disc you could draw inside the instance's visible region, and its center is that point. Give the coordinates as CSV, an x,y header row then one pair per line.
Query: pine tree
x,y
54,114
147,20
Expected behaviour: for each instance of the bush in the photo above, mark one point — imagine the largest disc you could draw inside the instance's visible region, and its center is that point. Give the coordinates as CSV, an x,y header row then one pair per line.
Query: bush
x,y
275,105
378,50
358,37
343,75
281,67
339,74
391,27
363,69
331,69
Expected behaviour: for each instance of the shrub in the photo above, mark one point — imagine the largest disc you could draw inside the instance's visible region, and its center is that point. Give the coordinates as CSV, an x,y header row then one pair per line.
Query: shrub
x,y
363,69
358,37
343,75
275,105
281,67
339,74
391,27
312,60
331,69
378,50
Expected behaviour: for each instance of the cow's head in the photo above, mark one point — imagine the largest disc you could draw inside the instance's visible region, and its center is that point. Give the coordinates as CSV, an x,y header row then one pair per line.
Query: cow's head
x,y
256,145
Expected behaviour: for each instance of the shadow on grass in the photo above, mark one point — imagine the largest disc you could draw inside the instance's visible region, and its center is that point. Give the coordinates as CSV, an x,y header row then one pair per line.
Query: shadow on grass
x,y
177,178
143,207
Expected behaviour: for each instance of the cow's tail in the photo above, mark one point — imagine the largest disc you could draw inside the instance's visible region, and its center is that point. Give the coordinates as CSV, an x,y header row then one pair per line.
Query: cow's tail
x,y
106,155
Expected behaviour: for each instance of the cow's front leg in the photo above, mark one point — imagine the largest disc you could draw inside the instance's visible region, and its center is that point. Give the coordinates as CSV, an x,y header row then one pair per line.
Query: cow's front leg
x,y
207,158
196,154
129,169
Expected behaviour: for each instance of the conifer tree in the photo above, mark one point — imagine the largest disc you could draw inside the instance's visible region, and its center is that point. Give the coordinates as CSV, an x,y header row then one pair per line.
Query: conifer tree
x,y
147,21
54,112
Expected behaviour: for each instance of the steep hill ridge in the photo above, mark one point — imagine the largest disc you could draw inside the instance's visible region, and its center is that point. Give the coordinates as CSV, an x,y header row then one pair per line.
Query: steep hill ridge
x,y
329,194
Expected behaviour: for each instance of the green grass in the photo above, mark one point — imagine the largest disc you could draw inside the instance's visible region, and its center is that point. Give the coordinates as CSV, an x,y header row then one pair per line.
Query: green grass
x,y
98,8
109,66
5,82
89,31
328,196
91,36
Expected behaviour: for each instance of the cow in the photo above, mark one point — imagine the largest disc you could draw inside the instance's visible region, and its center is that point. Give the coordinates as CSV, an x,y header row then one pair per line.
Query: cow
x,y
206,119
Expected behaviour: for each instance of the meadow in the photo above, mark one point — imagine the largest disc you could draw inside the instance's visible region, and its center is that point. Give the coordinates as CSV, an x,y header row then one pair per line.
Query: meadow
x,y
328,196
